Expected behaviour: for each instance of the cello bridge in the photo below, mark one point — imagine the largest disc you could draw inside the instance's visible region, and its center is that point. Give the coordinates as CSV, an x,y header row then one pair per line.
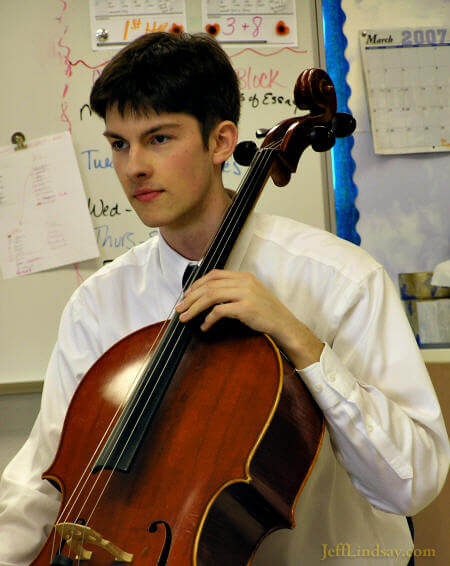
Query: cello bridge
x,y
77,535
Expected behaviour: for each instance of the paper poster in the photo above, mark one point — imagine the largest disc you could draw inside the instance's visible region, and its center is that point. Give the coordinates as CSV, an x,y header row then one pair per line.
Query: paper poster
x,y
44,217
117,22
252,22
406,71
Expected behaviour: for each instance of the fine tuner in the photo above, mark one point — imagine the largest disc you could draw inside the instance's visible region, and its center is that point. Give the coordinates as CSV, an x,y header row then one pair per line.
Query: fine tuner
x,y
322,138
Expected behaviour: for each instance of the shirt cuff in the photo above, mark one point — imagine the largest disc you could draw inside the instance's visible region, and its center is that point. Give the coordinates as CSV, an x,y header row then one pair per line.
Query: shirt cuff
x,y
328,380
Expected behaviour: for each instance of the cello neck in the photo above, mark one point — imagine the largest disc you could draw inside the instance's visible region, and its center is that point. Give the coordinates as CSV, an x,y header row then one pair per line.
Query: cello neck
x,y
233,222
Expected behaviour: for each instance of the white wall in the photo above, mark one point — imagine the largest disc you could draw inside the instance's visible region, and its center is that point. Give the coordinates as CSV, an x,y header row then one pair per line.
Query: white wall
x,y
17,414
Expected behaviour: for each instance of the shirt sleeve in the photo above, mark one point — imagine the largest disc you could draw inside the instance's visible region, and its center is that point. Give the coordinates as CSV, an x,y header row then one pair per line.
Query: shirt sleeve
x,y
379,404
28,505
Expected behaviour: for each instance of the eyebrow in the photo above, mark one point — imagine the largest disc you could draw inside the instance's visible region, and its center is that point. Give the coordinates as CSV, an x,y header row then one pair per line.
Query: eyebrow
x,y
111,134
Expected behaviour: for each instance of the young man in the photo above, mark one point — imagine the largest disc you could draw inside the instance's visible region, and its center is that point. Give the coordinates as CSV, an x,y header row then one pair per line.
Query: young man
x,y
171,107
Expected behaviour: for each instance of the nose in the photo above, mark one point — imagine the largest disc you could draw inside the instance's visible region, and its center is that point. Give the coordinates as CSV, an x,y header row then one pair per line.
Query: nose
x,y
138,163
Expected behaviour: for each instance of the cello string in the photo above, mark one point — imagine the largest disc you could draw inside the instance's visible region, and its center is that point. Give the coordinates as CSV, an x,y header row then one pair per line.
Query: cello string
x,y
163,352
161,330
193,275
189,281
266,157
88,467
89,464
130,388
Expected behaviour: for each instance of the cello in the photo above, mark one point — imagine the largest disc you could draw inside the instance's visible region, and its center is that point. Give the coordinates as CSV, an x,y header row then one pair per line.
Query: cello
x,y
207,452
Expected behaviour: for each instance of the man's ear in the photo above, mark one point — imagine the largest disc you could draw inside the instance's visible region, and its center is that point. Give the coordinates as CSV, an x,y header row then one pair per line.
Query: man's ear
x,y
222,141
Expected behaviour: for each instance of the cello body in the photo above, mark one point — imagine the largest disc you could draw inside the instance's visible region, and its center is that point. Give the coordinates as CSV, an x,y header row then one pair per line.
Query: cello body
x,y
210,482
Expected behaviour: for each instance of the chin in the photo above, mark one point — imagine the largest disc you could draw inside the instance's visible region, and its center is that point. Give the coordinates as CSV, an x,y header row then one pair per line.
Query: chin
x,y
154,222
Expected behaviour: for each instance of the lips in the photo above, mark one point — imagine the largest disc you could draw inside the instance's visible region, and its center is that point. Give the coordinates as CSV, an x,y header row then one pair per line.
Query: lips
x,y
146,195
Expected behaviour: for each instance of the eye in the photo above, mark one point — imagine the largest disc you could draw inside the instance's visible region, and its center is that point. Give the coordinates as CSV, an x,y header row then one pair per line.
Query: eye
x,y
118,145
159,139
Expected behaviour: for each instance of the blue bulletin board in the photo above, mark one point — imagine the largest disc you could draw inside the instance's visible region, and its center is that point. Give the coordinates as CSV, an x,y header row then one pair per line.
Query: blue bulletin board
x,y
394,206
343,166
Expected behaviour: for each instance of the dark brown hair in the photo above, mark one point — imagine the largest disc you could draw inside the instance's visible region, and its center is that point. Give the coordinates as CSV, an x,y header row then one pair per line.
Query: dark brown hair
x,y
164,72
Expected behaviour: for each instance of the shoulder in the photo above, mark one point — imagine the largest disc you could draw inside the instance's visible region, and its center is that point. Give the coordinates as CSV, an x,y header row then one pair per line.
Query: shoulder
x,y
319,248
135,259
126,271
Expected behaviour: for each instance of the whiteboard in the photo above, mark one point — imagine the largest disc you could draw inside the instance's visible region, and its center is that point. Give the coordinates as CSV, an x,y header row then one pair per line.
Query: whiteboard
x,y
47,69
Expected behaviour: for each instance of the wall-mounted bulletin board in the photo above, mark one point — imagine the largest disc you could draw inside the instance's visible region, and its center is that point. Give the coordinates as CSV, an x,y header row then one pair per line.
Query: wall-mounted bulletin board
x,y
403,195
48,67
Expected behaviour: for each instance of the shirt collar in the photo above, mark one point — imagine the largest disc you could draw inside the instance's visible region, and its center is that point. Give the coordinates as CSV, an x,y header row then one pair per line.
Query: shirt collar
x,y
173,265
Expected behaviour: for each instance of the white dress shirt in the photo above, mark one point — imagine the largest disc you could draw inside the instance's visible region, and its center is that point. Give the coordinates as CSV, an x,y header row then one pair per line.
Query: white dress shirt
x,y
386,451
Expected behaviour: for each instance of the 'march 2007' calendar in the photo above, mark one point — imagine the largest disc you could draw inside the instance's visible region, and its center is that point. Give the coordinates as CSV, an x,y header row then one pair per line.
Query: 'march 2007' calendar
x,y
407,75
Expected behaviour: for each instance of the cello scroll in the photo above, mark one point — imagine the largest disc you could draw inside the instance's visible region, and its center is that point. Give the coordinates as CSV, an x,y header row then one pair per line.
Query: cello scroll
x,y
313,91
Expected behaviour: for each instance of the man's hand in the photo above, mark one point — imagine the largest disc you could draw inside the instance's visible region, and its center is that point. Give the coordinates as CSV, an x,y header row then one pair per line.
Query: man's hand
x,y
242,296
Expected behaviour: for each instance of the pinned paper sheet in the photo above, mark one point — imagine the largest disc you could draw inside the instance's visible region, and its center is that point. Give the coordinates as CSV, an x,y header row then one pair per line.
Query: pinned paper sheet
x,y
44,217
117,22
253,22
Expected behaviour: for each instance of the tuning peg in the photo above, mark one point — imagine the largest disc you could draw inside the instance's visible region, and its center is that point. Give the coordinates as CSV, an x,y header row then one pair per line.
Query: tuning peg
x,y
244,152
261,132
343,124
322,138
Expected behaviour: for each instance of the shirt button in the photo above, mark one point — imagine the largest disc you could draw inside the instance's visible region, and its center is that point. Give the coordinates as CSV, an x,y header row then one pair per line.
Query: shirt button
x,y
318,388
369,428
332,377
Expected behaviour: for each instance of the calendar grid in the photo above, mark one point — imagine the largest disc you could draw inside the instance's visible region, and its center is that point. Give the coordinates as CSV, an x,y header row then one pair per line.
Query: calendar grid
x,y
408,89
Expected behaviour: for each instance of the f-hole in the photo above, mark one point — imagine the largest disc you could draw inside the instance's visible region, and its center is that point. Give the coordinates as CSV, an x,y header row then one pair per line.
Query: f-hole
x,y
164,556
